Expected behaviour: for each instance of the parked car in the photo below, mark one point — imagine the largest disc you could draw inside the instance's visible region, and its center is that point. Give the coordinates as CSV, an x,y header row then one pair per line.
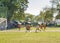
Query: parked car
x,y
13,24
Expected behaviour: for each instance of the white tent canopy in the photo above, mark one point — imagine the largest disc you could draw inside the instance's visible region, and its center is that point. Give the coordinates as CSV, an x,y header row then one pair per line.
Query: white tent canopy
x,y
3,23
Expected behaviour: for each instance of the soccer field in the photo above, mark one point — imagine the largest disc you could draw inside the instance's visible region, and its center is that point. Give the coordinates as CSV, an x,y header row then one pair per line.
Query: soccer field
x,y
29,37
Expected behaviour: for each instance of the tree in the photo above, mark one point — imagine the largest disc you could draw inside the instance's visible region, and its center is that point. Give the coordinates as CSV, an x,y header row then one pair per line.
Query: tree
x,y
15,6
46,15
38,17
18,16
42,16
58,16
57,4
49,15
29,16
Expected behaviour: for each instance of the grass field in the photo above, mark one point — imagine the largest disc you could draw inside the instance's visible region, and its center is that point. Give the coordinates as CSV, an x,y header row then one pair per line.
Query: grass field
x,y
30,37
33,28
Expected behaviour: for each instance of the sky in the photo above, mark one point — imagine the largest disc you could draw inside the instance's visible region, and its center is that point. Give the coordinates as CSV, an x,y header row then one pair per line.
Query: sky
x,y
35,6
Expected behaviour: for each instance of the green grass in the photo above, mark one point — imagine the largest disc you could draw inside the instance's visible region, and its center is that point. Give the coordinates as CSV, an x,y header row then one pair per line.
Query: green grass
x,y
33,28
22,37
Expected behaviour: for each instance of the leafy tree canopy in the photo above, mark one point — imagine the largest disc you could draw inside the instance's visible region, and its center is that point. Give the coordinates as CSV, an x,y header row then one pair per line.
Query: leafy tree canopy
x,y
14,6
